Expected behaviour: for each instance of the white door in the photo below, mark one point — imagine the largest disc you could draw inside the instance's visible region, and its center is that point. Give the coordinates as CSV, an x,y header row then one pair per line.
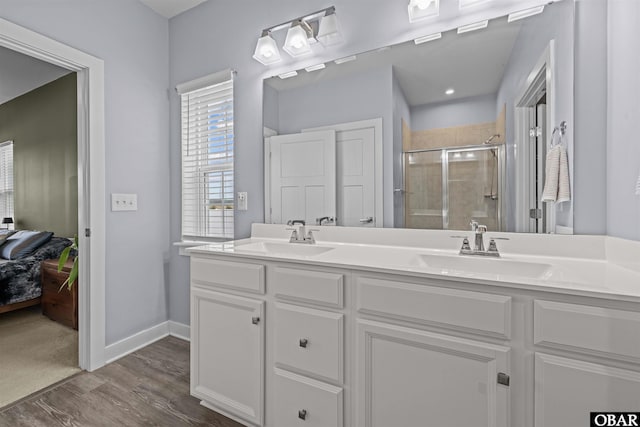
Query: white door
x,y
408,377
355,178
227,353
567,390
303,176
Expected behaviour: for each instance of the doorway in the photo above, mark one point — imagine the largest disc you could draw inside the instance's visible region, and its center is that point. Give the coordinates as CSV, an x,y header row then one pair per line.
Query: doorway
x,y
91,179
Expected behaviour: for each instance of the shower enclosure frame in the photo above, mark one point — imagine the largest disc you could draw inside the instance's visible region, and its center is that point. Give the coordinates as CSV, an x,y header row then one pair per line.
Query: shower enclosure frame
x,y
501,157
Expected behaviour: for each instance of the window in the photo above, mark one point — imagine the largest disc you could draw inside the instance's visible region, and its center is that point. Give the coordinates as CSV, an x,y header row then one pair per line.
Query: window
x,y
207,157
6,179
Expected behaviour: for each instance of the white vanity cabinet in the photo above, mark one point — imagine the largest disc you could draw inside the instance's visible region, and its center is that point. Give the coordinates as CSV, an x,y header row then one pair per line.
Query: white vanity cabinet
x,y
568,387
228,337
410,376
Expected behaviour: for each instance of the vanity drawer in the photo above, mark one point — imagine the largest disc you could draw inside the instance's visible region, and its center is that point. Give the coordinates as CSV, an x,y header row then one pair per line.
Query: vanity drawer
x,y
301,401
472,311
616,333
227,274
309,286
310,340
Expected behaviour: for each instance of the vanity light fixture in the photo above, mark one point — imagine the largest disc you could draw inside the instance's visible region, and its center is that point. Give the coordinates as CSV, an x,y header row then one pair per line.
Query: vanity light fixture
x,y
473,27
423,9
470,3
525,13
320,26
287,75
428,38
297,41
450,91
316,67
345,59
329,29
267,50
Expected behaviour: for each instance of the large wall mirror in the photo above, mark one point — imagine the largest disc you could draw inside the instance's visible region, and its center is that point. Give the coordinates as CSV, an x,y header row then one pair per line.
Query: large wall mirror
x,y
430,133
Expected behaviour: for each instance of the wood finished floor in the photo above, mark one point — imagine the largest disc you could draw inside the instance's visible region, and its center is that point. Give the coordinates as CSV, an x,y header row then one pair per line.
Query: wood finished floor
x,y
147,388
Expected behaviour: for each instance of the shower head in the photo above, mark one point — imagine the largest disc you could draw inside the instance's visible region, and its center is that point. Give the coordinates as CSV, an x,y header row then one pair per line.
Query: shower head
x,y
488,141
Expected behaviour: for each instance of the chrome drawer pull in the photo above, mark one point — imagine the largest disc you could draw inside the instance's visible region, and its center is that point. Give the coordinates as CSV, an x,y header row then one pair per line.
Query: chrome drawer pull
x,y
302,414
304,342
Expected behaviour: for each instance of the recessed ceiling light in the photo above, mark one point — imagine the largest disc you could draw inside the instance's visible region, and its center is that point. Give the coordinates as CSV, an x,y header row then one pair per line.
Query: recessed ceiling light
x,y
315,67
346,59
289,74
450,92
472,27
525,13
428,38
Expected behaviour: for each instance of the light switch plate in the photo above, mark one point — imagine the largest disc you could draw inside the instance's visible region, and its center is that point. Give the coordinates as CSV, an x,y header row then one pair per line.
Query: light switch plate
x,y
124,202
242,201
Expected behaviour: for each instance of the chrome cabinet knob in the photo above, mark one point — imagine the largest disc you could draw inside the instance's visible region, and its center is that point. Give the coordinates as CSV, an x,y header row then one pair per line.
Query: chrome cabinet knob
x,y
302,414
304,342
255,320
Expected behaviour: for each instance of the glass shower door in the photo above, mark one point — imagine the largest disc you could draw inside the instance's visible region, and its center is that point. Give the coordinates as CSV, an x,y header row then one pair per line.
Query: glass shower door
x,y
423,186
471,188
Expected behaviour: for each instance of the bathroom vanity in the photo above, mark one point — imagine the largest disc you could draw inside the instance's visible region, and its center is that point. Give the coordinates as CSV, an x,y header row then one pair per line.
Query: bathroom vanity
x,y
383,327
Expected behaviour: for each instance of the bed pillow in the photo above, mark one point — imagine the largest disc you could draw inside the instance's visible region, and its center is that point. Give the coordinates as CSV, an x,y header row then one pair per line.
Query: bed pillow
x,y
23,246
4,235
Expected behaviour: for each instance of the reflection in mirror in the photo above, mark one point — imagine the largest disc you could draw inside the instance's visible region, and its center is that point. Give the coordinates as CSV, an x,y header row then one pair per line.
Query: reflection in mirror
x,y
429,135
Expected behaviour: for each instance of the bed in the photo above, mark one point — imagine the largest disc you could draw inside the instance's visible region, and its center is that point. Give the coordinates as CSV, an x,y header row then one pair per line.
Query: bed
x,y
20,278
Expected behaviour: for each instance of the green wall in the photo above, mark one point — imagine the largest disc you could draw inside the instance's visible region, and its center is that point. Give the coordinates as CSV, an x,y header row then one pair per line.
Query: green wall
x,y
43,127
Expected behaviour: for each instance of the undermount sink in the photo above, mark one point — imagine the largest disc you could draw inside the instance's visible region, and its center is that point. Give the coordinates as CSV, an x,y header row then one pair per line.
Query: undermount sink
x,y
275,248
469,265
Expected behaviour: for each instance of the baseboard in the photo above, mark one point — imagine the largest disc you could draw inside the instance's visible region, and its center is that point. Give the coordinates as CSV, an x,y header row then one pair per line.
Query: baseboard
x,y
179,330
135,342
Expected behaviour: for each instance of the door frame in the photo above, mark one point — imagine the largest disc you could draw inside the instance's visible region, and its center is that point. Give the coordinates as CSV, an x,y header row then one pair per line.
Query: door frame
x,y
91,179
376,124
542,76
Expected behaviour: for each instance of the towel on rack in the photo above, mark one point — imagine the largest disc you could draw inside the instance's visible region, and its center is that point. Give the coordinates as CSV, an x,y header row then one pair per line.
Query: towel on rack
x,y
552,175
557,187
564,190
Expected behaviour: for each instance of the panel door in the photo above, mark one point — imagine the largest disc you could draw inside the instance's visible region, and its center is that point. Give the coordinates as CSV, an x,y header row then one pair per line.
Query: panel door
x,y
356,177
567,390
227,353
303,176
407,377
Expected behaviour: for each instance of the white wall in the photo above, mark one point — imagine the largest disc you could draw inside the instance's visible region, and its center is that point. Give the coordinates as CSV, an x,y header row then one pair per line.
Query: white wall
x,y
623,139
458,112
401,112
132,40
532,41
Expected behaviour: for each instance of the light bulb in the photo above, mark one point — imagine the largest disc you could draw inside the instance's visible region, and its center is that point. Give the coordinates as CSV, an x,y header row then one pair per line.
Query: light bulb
x,y
297,42
266,52
423,4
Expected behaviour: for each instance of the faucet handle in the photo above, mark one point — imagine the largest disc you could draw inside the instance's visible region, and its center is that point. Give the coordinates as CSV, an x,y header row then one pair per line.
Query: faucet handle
x,y
465,245
493,247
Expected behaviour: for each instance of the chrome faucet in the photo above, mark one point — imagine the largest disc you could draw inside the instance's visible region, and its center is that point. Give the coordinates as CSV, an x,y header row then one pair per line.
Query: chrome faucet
x,y
300,235
478,246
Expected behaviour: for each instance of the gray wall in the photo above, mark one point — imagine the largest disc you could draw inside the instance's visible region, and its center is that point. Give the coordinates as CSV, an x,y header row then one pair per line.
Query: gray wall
x,y
532,40
271,103
623,139
132,40
458,112
43,126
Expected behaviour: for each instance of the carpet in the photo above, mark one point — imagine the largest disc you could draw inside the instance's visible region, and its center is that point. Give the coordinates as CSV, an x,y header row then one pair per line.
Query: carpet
x,y
35,352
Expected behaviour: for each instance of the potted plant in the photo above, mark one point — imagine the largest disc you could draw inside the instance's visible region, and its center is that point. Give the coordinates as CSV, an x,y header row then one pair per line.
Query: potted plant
x,y
64,256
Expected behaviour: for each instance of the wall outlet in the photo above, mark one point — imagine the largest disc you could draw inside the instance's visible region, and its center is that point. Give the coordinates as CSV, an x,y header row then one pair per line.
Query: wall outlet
x,y
124,202
242,201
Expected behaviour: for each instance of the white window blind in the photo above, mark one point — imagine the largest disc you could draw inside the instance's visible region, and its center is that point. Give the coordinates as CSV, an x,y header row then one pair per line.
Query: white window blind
x,y
207,161
6,179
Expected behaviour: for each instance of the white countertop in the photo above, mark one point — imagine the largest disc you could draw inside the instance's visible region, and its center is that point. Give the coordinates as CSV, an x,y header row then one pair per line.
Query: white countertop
x,y
599,266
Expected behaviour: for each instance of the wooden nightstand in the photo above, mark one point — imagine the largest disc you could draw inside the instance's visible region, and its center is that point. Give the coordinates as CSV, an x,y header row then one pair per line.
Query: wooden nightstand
x,y
60,306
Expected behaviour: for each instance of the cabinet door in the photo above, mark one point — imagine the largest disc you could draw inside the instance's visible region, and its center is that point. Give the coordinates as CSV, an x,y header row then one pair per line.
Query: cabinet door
x,y
567,390
408,377
227,353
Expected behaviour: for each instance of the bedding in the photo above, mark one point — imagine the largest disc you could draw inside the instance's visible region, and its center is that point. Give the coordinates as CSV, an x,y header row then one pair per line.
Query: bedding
x,y
20,279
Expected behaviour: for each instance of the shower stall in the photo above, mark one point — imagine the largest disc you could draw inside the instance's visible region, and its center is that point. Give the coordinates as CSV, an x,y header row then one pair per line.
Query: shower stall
x,y
447,188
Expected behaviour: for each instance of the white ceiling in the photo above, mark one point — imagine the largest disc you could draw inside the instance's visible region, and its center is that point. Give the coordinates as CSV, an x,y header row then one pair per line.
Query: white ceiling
x,y
473,64
20,74
171,8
